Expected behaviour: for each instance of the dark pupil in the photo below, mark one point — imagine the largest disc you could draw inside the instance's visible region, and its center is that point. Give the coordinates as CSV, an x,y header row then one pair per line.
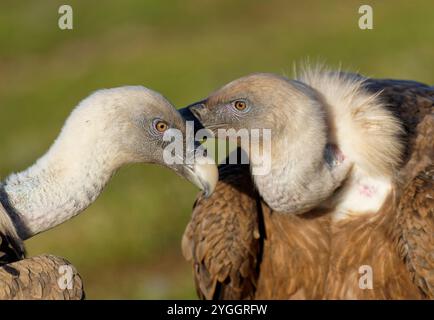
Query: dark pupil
x,y
240,105
161,126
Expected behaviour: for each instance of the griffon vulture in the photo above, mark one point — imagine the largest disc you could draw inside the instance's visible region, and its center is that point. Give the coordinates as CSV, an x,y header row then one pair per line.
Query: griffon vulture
x,y
107,130
303,231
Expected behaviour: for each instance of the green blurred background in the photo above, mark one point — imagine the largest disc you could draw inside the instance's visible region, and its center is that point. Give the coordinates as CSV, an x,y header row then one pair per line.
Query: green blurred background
x,y
127,244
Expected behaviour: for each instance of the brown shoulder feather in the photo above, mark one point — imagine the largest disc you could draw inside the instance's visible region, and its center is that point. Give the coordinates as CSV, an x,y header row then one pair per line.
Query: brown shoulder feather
x,y
222,238
415,210
38,278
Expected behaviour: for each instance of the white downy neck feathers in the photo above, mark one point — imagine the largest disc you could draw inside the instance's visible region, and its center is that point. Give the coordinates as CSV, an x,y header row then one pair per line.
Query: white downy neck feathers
x,y
367,134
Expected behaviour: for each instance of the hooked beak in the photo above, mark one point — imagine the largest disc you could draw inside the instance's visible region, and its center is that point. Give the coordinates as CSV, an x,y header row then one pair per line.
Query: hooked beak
x,y
199,111
203,175
189,115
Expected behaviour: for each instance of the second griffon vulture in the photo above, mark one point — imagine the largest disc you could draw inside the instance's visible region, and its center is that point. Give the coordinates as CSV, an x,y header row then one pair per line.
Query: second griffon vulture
x,y
107,130
347,210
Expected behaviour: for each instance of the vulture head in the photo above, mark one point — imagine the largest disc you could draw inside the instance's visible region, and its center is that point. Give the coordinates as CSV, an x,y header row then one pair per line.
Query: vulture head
x,y
129,124
259,101
325,128
108,129
300,176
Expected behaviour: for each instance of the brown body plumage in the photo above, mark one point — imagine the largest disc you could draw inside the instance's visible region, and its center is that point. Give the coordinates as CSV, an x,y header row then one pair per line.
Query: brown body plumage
x,y
36,277
241,249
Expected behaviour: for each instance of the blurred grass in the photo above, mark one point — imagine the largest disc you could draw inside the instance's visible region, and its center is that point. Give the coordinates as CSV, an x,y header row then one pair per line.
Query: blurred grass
x,y
127,244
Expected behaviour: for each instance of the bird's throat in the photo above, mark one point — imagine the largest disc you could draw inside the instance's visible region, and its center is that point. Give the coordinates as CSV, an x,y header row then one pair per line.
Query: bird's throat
x,y
296,173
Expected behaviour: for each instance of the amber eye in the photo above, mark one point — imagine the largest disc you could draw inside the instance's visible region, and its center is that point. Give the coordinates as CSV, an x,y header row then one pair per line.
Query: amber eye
x,y
161,126
240,105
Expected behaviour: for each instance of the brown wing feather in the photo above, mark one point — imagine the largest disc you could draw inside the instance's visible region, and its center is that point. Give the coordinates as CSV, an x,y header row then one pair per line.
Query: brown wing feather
x,y
415,213
221,239
37,278
416,220
413,226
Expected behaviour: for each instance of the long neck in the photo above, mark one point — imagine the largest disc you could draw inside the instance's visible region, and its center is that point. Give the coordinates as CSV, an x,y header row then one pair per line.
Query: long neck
x,y
61,184
295,159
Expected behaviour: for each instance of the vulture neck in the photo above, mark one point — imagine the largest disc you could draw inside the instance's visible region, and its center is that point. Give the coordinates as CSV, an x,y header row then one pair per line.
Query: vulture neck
x,y
61,184
294,159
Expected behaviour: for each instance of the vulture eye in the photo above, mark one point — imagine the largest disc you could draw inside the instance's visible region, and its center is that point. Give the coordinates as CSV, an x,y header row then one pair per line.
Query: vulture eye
x,y
240,105
160,125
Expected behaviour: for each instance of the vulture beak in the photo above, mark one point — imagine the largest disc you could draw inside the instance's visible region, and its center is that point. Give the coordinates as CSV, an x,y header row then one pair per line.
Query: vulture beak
x,y
188,115
204,176
198,110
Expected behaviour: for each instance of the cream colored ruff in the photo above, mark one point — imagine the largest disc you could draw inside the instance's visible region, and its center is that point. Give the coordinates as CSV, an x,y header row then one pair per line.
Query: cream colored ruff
x,y
366,133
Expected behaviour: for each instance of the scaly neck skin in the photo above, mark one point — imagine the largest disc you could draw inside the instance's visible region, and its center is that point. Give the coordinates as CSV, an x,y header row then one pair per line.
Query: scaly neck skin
x,y
61,184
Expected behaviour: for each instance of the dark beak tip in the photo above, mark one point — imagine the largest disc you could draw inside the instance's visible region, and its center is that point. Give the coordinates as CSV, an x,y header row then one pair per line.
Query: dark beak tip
x,y
197,110
190,114
187,114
